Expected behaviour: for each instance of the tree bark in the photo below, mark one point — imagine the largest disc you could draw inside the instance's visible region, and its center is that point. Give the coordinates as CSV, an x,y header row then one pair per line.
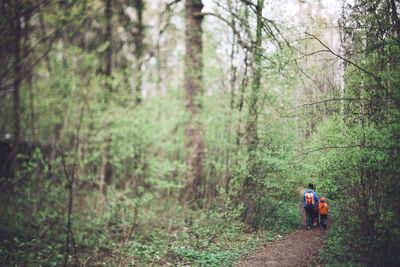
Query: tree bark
x,y
227,175
251,127
16,86
194,143
29,76
139,36
251,124
106,169
242,89
108,15
396,20
342,67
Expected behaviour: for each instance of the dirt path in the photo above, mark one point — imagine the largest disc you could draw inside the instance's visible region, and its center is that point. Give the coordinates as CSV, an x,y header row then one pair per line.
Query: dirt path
x,y
298,248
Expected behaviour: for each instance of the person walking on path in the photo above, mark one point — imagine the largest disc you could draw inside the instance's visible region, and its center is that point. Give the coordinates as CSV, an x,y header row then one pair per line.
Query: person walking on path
x,y
311,201
323,212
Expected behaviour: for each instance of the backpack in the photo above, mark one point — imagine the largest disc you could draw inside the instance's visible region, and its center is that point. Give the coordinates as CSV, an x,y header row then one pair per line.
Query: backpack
x,y
309,199
323,208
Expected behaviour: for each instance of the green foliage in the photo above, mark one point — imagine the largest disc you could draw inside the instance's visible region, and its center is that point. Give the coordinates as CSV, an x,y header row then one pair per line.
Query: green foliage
x,y
74,111
357,178
357,156
31,252
357,162
283,216
211,257
32,218
215,239
337,248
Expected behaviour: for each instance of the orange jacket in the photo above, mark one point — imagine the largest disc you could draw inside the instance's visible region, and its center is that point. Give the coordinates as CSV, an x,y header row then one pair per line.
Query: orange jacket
x,y
323,208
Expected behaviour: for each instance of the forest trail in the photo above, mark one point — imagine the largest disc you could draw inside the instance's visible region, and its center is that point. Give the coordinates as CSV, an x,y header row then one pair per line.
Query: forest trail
x,y
298,248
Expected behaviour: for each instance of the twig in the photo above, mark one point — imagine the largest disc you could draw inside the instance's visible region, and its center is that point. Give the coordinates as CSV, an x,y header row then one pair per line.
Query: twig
x,y
86,261
346,147
51,36
376,78
71,178
330,100
243,44
173,3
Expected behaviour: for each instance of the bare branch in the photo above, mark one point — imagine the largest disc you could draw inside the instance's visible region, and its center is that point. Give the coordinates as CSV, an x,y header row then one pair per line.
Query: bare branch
x,y
396,19
242,21
247,2
376,78
330,100
243,44
173,3
51,38
313,53
346,147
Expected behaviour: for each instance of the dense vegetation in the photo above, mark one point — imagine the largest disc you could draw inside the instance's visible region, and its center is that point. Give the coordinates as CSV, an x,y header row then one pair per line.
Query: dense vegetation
x,y
130,141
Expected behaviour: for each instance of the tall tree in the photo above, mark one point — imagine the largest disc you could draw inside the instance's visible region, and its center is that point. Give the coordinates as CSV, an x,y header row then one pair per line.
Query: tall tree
x,y
194,143
108,12
251,124
108,15
138,39
16,29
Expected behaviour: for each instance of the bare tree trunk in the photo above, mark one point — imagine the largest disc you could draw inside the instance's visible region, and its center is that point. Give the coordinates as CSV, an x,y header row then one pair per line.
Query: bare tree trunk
x,y
30,78
70,174
31,108
106,169
139,36
108,15
227,175
16,25
341,63
243,87
251,125
194,144
242,90
158,48
396,19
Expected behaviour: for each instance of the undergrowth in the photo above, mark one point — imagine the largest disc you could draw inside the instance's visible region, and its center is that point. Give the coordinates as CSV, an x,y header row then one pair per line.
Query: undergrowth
x,y
169,235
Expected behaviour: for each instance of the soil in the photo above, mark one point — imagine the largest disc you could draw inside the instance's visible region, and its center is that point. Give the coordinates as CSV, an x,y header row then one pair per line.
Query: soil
x,y
298,248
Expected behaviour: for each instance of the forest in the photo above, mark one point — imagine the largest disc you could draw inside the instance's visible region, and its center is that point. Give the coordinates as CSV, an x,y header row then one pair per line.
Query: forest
x,y
180,132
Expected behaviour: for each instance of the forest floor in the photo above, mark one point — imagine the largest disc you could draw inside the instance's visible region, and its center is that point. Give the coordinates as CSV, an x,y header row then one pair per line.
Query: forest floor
x,y
298,248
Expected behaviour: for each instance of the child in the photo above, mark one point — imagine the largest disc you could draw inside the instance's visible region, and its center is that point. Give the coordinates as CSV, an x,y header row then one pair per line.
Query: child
x,y
323,212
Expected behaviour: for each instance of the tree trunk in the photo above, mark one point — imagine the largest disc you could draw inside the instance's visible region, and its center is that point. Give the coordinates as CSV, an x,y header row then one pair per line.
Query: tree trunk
x,y
227,175
396,20
194,143
16,86
29,76
106,169
242,89
139,36
108,15
251,124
